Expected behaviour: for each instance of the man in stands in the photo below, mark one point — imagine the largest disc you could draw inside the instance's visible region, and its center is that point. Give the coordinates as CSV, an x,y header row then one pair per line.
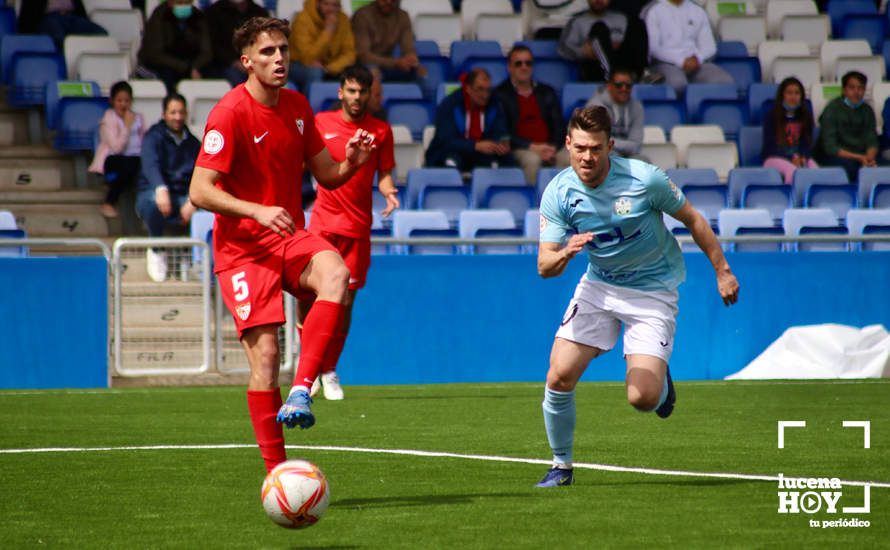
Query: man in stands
x,y
258,139
343,215
625,111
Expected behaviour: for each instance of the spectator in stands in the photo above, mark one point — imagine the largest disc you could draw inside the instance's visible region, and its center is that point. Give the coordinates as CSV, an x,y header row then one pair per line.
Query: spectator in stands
x,y
175,44
626,113
169,152
534,116
120,144
471,129
223,17
788,131
599,39
379,28
56,18
680,44
848,136
321,43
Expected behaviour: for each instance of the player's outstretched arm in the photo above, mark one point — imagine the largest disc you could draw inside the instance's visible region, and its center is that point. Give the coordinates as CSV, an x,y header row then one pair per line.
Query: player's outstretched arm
x,y
204,194
387,188
553,257
704,237
331,174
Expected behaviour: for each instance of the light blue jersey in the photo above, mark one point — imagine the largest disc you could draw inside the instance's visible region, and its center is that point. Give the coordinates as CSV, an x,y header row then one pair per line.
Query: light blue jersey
x,y
631,247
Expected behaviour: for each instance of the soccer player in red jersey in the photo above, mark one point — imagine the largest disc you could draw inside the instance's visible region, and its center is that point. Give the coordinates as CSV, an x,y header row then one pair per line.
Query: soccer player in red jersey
x,y
343,215
257,140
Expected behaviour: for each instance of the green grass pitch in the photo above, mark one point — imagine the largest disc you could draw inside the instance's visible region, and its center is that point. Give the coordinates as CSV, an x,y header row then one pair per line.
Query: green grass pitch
x,y
209,497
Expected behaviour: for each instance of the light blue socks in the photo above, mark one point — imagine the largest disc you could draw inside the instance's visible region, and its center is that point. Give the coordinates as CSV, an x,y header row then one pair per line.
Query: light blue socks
x,y
559,422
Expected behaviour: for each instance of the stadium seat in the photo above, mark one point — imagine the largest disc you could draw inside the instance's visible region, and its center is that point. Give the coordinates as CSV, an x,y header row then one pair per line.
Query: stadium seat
x,y
441,28
731,115
802,221
532,223
831,50
542,49
201,97
839,9
496,67
742,177
863,222
744,70
76,45
697,93
57,90
406,222
378,229
447,198
7,220
807,69
417,7
879,196
879,94
872,66
408,156
731,48
777,10
13,44
722,157
868,178
693,176
78,122
758,94
421,177
288,9
32,72
462,49
378,202
574,93
436,249
731,221
555,72
838,198
104,68
411,113
470,13
871,28
321,94
401,133
806,177
426,48
750,145
393,91
645,92
772,196
515,198
445,89
768,51
665,113
677,229
505,29
653,134
483,178
707,199
471,221
7,21
812,30
684,135
663,155
13,251
201,228
92,6
123,24
750,29
148,97
545,175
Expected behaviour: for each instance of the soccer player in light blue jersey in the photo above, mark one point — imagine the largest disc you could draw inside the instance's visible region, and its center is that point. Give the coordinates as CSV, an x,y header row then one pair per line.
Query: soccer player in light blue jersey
x,y
611,208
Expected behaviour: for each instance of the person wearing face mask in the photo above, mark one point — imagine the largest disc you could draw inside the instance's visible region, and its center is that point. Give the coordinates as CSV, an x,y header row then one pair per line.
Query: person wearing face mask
x,y
849,137
321,43
223,17
788,131
175,44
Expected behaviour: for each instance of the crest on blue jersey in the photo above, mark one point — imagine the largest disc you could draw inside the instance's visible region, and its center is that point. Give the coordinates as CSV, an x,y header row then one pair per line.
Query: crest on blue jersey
x,y
623,206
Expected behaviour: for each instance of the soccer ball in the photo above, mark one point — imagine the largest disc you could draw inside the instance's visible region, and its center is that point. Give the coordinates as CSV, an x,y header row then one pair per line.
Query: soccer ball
x,y
295,494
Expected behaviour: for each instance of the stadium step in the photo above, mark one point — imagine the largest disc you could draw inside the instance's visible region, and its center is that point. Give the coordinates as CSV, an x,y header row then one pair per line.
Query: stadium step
x,y
27,167
177,312
60,221
13,127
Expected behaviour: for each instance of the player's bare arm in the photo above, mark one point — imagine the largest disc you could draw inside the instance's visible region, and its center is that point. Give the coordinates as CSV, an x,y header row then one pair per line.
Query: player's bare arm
x,y
331,174
387,188
553,257
204,194
704,237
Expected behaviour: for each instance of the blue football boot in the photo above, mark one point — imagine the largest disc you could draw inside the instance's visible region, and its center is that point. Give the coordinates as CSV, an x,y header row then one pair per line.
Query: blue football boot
x,y
557,477
296,411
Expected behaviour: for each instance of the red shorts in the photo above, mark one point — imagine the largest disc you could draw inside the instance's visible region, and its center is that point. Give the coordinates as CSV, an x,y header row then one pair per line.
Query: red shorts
x,y
356,255
253,291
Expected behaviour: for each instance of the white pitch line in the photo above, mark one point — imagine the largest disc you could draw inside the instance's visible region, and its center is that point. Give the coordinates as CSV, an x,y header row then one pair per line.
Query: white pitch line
x,y
434,454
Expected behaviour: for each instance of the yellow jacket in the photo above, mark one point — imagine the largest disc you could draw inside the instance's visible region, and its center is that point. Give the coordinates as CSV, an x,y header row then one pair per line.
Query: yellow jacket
x,y
309,42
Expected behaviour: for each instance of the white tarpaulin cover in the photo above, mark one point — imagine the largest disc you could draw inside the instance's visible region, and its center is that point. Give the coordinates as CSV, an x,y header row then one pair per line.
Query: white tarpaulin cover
x,y
823,351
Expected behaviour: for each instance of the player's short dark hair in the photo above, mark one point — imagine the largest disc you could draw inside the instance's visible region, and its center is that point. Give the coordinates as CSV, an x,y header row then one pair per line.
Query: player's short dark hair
x,y
120,86
247,33
591,119
854,74
173,96
357,73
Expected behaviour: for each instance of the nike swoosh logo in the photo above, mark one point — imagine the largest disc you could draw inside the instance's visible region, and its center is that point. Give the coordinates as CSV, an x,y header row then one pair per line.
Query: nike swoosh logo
x,y
330,136
663,344
259,139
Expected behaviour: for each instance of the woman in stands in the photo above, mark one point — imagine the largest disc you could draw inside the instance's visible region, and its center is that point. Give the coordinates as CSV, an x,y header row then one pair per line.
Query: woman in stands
x,y
788,131
120,144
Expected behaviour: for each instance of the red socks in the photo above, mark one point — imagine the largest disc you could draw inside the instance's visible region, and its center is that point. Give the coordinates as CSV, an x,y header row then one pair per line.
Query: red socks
x,y
263,406
320,330
332,353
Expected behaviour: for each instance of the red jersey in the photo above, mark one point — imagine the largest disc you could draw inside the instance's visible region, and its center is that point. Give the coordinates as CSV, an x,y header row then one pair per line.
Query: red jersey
x,y
347,209
260,152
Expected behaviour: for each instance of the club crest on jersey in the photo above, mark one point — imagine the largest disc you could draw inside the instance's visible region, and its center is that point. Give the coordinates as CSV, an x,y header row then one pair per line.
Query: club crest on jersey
x,y
299,122
675,190
213,142
543,223
623,206
243,311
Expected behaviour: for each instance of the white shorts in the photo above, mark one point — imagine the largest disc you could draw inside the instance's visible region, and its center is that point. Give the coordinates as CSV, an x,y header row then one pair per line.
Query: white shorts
x,y
597,309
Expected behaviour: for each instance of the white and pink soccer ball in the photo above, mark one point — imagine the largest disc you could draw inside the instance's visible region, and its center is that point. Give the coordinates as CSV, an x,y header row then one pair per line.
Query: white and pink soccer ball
x,y
295,494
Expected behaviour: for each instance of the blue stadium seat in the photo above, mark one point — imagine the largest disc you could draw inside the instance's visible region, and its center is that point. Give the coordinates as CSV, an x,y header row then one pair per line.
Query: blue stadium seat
x,y
483,178
871,28
574,93
838,198
406,222
7,21
437,249
418,178
697,93
666,113
31,72
414,114
774,197
438,70
733,221
731,115
545,174
759,247
401,90
472,221
445,89
693,176
78,122
555,72
496,67
59,89
803,221
869,222
378,203
542,49
744,70
806,177
868,178
879,196
447,198
515,198
731,48
426,48
739,178
758,94
13,251
838,9
498,248
462,49
321,94
201,228
750,145
645,92
13,44
707,199
7,220
876,230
